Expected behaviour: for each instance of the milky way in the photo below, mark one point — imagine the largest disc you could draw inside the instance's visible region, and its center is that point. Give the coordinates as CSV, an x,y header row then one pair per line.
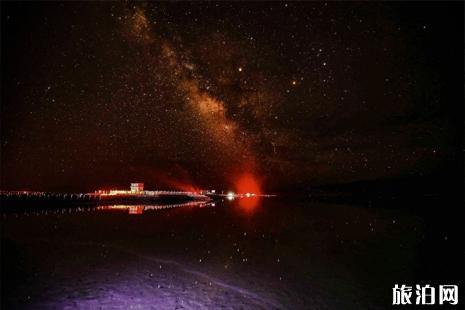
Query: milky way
x,y
190,94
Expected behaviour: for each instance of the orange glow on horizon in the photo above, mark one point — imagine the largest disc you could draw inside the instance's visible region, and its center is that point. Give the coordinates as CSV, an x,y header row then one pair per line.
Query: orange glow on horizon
x,y
185,187
182,182
248,183
249,186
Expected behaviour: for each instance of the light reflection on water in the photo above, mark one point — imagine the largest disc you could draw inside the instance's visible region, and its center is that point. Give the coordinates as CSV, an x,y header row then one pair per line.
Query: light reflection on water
x,y
247,205
130,209
139,209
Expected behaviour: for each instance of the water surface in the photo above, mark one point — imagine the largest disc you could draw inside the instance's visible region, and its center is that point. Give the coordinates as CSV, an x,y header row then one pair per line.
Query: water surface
x,y
249,254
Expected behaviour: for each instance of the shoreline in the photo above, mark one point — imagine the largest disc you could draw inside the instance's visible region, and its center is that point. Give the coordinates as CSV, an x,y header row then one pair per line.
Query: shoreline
x,y
25,202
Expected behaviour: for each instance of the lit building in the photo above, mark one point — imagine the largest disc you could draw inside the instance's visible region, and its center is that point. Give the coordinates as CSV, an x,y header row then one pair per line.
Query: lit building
x,y
137,187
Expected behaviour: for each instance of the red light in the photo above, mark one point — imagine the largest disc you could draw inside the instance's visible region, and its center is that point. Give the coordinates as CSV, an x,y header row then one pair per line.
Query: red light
x,y
136,209
247,183
249,203
249,186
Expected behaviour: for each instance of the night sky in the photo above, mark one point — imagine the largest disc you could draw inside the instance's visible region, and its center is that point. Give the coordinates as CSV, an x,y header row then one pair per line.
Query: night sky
x,y
181,95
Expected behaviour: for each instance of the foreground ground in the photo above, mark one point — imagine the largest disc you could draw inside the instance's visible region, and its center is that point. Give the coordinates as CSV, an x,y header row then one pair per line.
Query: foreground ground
x,y
273,255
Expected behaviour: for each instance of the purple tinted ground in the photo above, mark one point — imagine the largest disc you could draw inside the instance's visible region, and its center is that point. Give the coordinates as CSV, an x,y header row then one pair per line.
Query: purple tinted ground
x,y
280,255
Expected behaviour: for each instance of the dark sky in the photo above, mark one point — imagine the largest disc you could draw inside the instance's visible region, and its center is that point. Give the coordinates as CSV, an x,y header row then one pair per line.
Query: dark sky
x,y
293,94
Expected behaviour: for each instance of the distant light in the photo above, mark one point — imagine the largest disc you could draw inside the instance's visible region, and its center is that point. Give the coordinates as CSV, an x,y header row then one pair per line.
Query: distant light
x,y
248,194
230,196
239,69
294,83
213,191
